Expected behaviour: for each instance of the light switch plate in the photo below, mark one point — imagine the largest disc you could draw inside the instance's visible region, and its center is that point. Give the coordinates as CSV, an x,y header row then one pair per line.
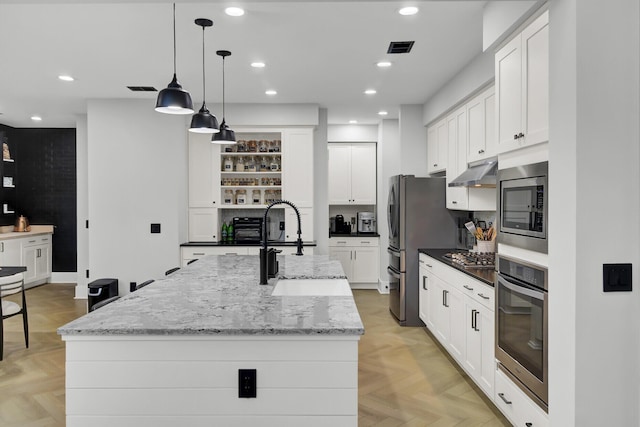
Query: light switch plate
x,y
616,277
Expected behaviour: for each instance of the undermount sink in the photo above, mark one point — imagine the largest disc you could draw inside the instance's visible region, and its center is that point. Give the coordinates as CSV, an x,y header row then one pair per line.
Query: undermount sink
x,y
312,287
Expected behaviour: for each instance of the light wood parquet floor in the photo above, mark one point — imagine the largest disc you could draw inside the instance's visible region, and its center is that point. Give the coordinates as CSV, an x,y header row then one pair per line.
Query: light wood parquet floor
x,y
405,378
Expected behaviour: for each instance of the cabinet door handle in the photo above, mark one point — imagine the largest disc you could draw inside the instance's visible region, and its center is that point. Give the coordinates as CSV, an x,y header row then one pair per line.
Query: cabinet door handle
x,y
355,255
521,135
351,255
483,296
454,202
1,246
528,424
198,253
504,399
467,287
214,202
473,319
515,136
445,297
424,283
435,165
475,328
480,151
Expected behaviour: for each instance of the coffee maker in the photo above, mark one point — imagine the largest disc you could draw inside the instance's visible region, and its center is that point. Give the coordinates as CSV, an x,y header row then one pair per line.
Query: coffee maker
x,y
366,222
337,225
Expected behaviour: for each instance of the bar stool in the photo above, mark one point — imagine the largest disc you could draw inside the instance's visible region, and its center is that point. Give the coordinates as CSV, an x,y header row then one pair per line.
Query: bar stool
x,y
11,285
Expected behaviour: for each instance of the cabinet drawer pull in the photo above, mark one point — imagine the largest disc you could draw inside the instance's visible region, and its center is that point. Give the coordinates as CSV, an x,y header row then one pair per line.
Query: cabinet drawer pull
x,y
429,265
528,424
501,395
483,296
480,151
366,243
341,242
31,241
454,202
198,253
421,261
467,288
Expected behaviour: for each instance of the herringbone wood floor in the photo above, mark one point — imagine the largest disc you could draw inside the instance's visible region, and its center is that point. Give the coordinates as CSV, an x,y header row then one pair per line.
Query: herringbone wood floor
x,y
405,379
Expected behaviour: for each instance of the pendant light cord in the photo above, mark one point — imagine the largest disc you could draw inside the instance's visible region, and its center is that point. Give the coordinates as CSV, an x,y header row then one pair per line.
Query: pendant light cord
x,y
223,116
204,91
174,39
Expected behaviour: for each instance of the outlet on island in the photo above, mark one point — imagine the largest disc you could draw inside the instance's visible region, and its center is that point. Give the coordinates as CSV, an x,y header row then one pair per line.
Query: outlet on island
x,y
281,225
247,383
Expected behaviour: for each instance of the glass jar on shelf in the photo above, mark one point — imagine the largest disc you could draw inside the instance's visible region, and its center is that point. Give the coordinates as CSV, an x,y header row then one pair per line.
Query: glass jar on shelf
x,y
274,166
250,165
240,164
252,146
263,146
256,197
228,198
278,194
277,144
241,197
227,165
269,196
241,146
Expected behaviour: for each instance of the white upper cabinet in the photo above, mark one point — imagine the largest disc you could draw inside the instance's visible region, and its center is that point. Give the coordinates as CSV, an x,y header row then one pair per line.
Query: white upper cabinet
x,y
481,115
522,88
457,197
352,174
204,173
297,166
437,142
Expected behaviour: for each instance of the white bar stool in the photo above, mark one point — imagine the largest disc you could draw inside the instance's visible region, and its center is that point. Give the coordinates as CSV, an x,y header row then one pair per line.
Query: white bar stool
x,y
10,285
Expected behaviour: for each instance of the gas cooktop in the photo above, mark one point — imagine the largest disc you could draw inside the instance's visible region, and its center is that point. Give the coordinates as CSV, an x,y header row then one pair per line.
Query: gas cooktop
x,y
472,259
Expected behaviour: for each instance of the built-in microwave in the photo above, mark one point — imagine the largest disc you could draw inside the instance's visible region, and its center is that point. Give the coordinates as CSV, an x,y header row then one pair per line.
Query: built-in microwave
x,y
523,218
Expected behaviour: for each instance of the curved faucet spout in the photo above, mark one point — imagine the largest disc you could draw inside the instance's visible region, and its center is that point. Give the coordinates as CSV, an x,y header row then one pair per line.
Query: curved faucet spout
x,y
268,268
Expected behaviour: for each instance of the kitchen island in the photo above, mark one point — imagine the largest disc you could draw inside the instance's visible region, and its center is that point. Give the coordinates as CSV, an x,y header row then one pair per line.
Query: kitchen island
x,y
170,353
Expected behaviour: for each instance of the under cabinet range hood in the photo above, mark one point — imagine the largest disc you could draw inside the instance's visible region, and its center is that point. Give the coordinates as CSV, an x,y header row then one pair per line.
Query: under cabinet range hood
x,y
478,175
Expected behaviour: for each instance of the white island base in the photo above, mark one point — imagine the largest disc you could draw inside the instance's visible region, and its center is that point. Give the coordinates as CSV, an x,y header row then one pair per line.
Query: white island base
x,y
192,381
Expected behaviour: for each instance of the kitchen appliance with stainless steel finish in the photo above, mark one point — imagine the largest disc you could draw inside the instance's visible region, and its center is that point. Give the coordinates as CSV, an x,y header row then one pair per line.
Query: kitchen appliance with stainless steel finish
x,y
472,259
247,229
337,225
366,222
417,218
522,326
523,212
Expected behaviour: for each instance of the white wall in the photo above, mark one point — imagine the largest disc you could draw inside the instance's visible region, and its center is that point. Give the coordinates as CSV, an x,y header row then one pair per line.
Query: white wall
x,y
137,175
321,185
502,17
389,164
473,77
82,207
352,133
413,141
593,160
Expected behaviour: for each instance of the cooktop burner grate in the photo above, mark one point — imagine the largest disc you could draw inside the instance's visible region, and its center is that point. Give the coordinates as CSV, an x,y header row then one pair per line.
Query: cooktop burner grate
x,y
472,259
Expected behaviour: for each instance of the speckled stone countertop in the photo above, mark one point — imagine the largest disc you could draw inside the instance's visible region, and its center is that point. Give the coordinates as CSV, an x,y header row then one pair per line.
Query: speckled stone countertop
x,y
220,295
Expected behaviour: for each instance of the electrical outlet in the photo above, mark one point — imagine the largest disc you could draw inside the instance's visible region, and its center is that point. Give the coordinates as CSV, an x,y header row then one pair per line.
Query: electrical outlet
x,y
247,383
155,228
281,225
132,286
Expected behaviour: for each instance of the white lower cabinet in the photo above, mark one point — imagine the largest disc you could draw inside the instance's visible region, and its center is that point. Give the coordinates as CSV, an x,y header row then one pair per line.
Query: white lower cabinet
x,y
458,310
33,252
359,257
516,405
203,224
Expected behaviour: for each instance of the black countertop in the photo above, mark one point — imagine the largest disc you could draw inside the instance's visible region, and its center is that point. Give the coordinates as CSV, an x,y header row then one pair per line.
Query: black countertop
x,y
271,244
486,275
10,271
354,235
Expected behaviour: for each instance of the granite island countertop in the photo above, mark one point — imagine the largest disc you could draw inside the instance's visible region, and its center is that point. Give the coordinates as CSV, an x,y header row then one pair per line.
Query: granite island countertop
x,y
220,295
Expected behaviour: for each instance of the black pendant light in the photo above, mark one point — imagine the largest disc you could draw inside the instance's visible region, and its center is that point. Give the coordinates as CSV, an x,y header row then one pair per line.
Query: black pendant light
x,y
173,99
203,121
226,135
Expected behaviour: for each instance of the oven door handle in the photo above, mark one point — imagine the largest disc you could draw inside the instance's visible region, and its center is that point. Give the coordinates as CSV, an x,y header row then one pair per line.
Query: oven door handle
x,y
393,273
521,289
393,252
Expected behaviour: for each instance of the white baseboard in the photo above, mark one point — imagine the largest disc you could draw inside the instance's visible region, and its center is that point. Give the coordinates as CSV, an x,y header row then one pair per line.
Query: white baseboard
x,y
363,285
71,277
383,286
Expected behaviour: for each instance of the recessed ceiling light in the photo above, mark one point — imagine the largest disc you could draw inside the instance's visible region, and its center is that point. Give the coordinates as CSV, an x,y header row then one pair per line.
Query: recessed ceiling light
x,y
36,118
382,113
271,92
384,64
257,64
370,91
409,10
234,11
66,78
353,122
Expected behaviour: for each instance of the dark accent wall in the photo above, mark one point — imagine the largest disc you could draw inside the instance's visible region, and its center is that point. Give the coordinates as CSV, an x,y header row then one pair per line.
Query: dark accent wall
x,y
46,186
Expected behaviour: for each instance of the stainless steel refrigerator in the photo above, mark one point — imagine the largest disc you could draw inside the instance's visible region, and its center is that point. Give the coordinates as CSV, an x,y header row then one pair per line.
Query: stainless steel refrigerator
x,y
418,218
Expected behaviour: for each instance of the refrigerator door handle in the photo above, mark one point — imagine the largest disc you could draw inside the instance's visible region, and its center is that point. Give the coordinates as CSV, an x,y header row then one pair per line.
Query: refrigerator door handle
x,y
394,252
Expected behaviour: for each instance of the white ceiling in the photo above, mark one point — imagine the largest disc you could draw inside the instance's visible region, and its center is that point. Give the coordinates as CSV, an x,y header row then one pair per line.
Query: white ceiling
x,y
321,52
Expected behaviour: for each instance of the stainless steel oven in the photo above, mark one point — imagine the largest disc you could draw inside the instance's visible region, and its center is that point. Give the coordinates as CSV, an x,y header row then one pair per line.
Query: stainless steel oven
x,y
523,208
521,326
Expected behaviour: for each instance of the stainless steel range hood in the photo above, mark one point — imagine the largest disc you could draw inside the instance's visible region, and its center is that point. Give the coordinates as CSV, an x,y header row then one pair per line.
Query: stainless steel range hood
x,y
479,175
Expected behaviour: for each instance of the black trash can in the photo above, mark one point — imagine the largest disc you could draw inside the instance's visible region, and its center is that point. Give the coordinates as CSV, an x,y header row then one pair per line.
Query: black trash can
x,y
100,290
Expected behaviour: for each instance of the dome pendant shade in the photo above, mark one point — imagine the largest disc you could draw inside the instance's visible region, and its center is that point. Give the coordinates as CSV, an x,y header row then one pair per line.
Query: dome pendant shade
x,y
225,136
204,122
174,100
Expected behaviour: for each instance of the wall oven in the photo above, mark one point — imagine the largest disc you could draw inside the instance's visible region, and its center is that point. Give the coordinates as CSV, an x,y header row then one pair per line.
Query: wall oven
x,y
523,208
247,230
521,326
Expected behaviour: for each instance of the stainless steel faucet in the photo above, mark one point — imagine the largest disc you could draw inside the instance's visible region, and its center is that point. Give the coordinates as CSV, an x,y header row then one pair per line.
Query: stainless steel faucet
x,y
268,262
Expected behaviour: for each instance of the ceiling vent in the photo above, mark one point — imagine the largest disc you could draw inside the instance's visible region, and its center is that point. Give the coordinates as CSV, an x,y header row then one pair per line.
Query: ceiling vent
x,y
142,88
400,47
